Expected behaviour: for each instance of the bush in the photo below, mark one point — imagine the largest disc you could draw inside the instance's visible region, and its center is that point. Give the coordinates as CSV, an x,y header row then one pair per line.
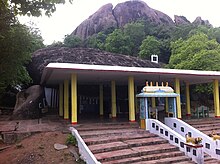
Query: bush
x,y
71,140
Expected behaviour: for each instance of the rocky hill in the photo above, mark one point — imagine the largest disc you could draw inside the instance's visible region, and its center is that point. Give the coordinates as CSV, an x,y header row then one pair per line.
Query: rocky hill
x,y
123,13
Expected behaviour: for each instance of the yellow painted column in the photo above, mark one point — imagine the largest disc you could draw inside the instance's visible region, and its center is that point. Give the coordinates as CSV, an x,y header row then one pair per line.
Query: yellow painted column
x,y
136,100
101,110
66,99
113,94
74,99
188,111
61,100
131,99
166,105
216,98
178,103
153,102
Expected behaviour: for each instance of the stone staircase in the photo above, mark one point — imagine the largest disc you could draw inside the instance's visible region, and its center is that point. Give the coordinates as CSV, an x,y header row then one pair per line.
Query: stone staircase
x,y
124,143
206,126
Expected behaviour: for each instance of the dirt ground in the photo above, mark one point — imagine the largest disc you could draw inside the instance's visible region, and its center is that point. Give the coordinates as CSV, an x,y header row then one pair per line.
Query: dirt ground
x,y
38,149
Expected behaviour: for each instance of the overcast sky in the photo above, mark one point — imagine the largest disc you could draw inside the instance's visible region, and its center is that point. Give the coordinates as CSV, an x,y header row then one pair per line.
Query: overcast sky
x,y
69,16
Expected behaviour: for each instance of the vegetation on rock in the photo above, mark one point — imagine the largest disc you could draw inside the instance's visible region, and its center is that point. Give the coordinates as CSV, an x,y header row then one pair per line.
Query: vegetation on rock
x,y
17,41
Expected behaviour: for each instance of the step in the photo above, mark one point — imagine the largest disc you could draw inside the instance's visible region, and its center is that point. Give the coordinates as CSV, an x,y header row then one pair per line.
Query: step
x,y
108,133
108,127
125,160
212,162
152,149
205,125
202,122
145,158
111,146
114,155
186,162
111,138
86,134
99,148
134,152
167,160
145,141
210,159
215,128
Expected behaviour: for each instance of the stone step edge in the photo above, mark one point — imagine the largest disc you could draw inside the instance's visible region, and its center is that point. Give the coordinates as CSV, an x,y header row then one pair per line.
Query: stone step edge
x,y
107,134
170,160
127,146
100,141
146,158
136,153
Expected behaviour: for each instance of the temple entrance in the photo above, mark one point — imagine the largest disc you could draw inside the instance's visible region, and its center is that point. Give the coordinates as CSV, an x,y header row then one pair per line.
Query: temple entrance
x,y
157,102
88,103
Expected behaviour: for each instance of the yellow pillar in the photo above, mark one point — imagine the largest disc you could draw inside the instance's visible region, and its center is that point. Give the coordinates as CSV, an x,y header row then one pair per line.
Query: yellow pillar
x,y
188,111
216,98
66,99
113,94
131,99
101,111
153,101
61,100
178,103
74,99
166,105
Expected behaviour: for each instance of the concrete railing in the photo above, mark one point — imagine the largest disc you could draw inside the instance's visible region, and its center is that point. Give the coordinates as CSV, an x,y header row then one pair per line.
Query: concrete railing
x,y
84,151
210,146
160,129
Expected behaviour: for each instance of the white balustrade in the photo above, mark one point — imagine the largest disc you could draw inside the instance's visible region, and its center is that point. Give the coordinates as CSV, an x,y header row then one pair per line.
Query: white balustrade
x,y
160,129
210,146
84,151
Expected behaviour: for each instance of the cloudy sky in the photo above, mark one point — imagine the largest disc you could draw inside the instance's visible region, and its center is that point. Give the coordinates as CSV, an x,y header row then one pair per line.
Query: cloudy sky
x,y
69,16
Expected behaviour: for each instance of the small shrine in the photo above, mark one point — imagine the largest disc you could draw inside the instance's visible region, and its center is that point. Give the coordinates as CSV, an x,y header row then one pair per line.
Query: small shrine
x,y
157,102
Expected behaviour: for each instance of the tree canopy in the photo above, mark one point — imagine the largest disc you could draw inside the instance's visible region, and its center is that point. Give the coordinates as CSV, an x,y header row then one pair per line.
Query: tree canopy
x,y
72,41
150,46
30,7
197,52
16,47
17,41
118,42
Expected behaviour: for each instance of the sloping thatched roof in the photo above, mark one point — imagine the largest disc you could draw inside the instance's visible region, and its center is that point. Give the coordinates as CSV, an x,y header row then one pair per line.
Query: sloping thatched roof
x,y
43,57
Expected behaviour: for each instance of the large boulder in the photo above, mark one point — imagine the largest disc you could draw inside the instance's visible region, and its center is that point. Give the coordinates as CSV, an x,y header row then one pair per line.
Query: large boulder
x,y
123,13
41,58
199,21
137,10
27,103
181,20
100,20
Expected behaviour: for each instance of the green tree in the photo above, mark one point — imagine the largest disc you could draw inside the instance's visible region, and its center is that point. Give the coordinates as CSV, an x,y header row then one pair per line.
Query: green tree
x,y
72,41
118,42
96,41
56,44
198,52
31,7
16,47
149,46
182,31
18,42
136,33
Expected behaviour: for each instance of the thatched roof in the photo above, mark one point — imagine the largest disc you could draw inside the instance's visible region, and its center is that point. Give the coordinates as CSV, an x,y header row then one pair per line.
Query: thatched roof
x,y
43,57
